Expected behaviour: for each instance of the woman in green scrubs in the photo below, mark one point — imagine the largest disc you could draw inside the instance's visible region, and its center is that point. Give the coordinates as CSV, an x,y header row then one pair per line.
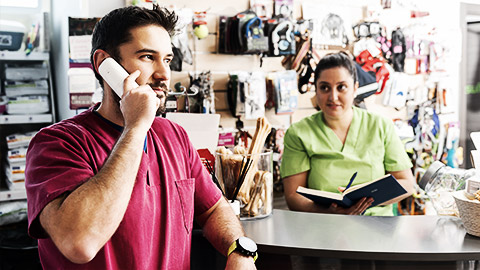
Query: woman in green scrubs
x,y
324,150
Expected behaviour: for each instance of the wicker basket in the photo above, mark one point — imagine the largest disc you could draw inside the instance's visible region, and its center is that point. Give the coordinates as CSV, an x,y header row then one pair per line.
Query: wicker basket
x,y
469,211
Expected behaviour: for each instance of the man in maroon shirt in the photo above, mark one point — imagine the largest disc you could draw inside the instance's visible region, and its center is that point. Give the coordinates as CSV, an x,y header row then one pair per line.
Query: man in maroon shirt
x,y
117,187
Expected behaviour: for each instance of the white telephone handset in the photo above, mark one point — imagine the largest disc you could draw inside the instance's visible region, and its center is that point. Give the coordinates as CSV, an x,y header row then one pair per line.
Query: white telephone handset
x,y
114,74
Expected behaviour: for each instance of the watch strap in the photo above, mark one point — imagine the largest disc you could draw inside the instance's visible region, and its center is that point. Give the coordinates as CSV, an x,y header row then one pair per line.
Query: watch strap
x,y
234,246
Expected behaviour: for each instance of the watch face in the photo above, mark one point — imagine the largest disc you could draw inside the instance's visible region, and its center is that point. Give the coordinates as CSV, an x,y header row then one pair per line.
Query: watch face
x,y
247,244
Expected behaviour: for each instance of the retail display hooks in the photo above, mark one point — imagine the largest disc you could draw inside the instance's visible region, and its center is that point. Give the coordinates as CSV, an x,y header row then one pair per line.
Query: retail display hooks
x,y
183,92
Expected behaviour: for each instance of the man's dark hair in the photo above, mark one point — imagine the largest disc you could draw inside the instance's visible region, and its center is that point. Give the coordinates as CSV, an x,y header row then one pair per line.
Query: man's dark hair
x,y
334,60
114,28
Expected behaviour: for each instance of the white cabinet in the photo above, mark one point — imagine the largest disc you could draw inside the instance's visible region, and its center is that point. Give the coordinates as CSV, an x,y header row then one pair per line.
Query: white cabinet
x,y
25,121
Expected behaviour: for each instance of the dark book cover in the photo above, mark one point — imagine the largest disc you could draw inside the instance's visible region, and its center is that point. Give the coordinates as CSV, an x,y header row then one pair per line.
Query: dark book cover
x,y
381,190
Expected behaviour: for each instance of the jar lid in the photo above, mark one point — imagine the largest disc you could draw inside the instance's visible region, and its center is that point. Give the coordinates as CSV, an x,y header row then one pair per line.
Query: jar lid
x,y
430,174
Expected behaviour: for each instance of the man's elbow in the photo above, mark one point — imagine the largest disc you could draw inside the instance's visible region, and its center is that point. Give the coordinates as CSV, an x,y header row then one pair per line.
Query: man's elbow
x,y
78,251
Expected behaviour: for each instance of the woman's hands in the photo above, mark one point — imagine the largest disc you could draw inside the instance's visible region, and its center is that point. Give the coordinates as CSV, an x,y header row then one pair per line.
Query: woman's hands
x,y
297,202
356,209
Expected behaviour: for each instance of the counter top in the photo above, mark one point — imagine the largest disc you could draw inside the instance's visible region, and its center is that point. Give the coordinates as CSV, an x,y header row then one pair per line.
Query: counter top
x,y
400,238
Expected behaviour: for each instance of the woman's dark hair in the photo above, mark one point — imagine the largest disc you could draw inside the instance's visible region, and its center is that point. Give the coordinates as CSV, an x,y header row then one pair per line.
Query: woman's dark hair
x,y
114,28
333,60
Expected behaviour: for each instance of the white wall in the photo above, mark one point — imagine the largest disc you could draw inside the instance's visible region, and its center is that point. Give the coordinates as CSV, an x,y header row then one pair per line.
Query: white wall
x,y
98,8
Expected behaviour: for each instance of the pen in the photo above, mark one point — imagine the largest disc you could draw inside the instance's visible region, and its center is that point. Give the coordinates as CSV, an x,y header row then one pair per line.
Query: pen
x,y
351,181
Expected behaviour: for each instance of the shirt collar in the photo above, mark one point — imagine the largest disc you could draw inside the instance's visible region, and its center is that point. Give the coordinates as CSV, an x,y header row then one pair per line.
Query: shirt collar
x,y
115,126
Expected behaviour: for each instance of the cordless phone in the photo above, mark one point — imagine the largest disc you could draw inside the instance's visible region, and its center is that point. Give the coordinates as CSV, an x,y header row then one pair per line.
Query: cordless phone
x,y
114,74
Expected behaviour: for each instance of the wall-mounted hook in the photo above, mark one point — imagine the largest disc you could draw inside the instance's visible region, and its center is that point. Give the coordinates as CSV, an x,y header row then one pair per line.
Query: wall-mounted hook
x,y
183,92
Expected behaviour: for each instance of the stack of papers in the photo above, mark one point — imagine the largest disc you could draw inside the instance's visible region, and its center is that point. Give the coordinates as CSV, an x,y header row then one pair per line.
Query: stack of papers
x,y
23,88
28,105
15,165
17,155
15,176
27,89
19,140
26,73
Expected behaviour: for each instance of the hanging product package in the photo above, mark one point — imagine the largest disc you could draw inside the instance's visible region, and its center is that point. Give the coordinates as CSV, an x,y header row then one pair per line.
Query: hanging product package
x,y
255,96
231,36
237,84
282,40
286,92
255,40
398,50
181,49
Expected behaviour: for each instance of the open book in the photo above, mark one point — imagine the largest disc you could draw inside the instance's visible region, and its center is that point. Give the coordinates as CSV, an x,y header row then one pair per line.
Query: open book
x,y
381,190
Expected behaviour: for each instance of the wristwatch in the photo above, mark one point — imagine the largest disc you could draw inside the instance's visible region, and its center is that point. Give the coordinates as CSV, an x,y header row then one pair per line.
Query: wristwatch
x,y
244,246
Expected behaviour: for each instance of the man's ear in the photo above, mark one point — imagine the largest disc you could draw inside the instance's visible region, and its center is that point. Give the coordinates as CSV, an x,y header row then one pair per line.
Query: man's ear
x,y
98,57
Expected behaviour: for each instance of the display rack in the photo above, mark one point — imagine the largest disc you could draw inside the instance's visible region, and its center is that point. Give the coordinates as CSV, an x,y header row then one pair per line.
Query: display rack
x,y
11,124
21,56
23,119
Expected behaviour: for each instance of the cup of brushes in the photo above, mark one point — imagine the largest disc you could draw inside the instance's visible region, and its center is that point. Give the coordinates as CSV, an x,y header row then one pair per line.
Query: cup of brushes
x,y
246,174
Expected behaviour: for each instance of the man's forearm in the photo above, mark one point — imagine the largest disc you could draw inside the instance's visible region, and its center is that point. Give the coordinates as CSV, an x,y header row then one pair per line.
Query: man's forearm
x,y
222,227
83,221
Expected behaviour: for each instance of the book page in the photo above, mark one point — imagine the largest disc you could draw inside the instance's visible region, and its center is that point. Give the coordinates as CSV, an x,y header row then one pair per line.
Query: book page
x,y
355,187
320,193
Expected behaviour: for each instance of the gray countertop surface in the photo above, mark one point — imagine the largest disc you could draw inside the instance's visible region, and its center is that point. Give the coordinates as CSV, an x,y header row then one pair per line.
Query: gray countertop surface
x,y
401,238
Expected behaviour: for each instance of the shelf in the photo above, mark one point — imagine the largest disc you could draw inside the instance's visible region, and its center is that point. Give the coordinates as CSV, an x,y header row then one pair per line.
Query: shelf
x,y
21,56
26,119
10,195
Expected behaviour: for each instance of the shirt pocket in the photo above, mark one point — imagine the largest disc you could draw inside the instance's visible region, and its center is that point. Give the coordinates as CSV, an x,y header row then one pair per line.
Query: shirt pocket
x,y
186,191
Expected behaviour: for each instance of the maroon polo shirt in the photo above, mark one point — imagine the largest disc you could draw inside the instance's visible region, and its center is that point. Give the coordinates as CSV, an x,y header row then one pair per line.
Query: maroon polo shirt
x,y
172,186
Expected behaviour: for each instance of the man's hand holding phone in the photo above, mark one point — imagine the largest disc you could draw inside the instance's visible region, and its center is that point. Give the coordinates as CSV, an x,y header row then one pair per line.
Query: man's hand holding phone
x,y
138,104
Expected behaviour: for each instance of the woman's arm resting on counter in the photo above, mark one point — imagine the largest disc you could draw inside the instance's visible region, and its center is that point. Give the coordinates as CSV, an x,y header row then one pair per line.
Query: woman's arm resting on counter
x,y
295,201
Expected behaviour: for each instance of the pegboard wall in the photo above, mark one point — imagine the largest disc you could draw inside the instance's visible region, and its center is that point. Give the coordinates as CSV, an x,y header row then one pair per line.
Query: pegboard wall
x,y
206,58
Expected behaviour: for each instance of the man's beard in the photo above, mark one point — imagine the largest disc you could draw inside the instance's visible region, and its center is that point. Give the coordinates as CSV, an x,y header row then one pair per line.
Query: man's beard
x,y
163,98
162,108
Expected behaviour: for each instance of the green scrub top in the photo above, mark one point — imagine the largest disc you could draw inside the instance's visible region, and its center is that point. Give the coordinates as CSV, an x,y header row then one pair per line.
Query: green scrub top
x,y
371,148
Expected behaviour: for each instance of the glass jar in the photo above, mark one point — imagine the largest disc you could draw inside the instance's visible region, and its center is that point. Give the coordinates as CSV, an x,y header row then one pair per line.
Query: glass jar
x,y
439,181
248,179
